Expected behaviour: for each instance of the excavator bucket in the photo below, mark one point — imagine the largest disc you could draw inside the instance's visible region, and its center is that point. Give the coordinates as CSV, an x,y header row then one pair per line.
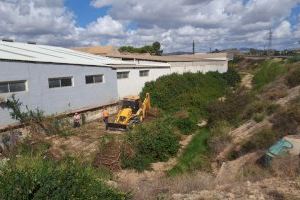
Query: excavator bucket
x,y
116,126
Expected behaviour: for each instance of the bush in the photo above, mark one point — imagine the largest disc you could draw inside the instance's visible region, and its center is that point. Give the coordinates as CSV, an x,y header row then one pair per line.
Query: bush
x,y
259,117
189,91
149,143
232,77
267,73
186,125
293,78
36,119
294,59
35,178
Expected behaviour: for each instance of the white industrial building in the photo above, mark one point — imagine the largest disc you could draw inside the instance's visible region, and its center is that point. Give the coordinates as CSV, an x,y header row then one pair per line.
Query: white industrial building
x,y
59,80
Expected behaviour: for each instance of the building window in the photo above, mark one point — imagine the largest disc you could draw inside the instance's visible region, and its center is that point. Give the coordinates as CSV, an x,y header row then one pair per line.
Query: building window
x,y
12,86
122,75
94,79
60,82
144,73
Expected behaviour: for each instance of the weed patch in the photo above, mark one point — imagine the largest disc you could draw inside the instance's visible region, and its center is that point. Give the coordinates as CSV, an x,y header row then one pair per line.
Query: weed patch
x,y
195,156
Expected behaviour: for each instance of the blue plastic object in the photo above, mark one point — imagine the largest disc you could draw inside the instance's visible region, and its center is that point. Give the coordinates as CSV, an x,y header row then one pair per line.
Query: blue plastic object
x,y
280,148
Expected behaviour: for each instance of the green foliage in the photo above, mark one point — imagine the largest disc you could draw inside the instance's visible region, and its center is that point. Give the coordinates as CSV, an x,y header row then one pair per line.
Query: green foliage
x,y
15,107
195,156
189,91
232,77
153,49
35,178
267,73
258,117
293,77
36,118
147,143
186,125
294,59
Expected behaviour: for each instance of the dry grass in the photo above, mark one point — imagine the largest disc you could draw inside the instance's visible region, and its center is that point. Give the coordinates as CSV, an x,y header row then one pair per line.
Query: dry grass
x,y
286,166
163,188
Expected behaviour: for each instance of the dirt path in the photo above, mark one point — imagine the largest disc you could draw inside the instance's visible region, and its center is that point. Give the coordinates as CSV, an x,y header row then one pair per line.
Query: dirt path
x,y
247,80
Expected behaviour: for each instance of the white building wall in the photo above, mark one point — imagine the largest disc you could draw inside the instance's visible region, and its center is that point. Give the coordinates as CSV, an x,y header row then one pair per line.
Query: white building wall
x,y
204,67
58,100
134,84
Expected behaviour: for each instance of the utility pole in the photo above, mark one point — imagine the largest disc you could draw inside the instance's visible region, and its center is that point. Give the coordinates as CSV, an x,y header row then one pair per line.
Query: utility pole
x,y
270,38
193,47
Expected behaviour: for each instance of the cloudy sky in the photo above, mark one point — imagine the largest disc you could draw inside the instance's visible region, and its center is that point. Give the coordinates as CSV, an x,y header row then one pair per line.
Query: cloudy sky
x,y
175,23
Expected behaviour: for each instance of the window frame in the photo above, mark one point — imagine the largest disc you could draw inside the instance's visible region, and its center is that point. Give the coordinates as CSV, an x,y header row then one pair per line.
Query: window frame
x,y
94,79
9,83
122,73
60,82
143,75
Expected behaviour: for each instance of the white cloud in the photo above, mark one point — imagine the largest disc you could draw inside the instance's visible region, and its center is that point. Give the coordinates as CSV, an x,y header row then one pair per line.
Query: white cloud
x,y
105,26
283,30
211,23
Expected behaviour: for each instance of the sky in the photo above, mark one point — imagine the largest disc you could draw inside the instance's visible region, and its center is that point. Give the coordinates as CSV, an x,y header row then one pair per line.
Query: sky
x,y
212,24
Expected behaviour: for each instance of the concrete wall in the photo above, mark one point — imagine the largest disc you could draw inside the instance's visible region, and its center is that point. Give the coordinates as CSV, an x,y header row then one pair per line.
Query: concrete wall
x,y
134,84
58,100
204,67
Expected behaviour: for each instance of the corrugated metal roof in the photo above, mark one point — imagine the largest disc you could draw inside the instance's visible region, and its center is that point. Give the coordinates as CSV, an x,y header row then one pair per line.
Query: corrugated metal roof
x,y
15,51
173,58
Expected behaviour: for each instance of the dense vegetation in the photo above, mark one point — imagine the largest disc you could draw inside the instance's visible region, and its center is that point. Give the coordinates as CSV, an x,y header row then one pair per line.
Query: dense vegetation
x,y
153,49
30,177
190,91
184,100
150,142
268,71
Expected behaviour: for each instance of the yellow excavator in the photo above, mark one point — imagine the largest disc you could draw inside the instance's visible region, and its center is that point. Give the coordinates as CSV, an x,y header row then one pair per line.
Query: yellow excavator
x,y
132,112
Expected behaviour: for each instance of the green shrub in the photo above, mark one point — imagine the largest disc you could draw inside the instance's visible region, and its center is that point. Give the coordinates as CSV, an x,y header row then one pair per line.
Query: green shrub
x,y
294,59
258,117
195,156
35,178
36,119
293,77
186,125
189,91
147,143
267,73
232,77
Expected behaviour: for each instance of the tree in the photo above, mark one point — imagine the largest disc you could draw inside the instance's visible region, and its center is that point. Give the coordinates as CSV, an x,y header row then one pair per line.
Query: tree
x,y
156,46
153,49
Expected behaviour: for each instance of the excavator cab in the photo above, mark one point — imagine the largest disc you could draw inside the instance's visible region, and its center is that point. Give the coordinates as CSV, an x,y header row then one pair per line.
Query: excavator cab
x,y
132,112
132,102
